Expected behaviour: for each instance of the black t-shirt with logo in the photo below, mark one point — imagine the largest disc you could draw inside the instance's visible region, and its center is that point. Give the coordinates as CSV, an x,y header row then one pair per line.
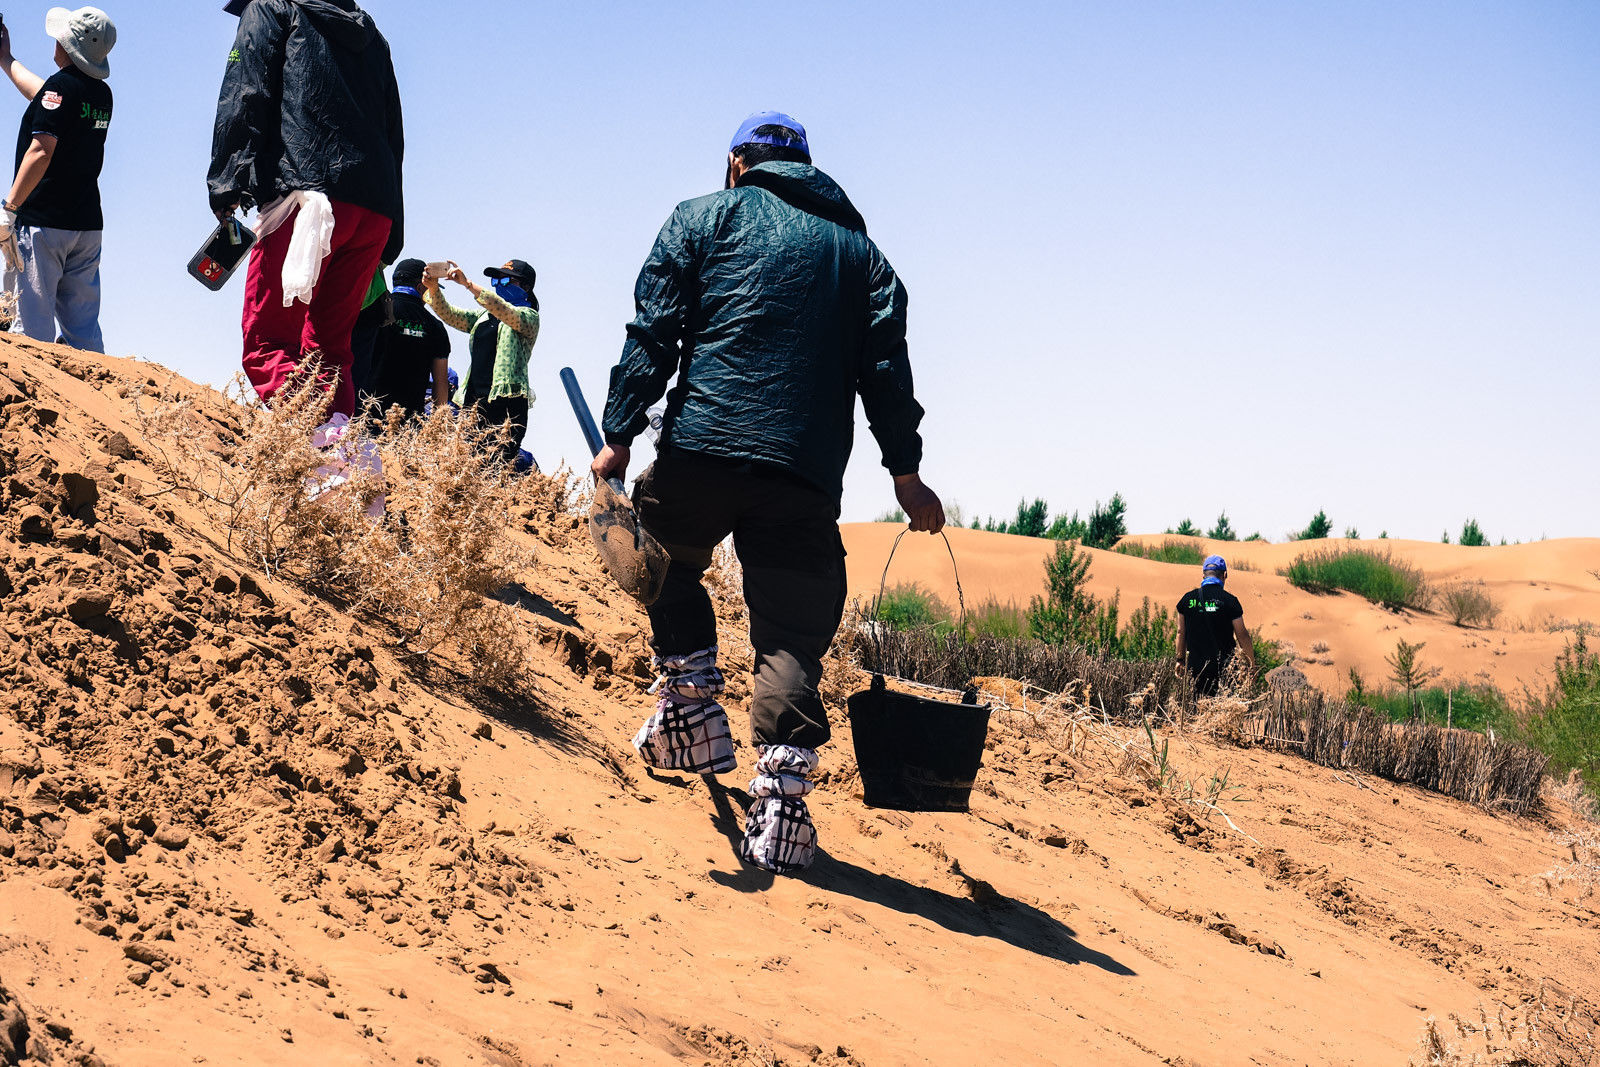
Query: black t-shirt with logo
x,y
1209,612
75,109
402,364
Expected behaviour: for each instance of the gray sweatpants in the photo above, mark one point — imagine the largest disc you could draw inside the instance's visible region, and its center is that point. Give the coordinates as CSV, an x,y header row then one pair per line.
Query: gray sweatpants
x,y
59,284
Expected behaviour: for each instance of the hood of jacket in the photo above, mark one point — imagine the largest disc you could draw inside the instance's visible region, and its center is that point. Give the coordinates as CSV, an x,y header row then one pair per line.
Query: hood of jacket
x,y
341,22
807,188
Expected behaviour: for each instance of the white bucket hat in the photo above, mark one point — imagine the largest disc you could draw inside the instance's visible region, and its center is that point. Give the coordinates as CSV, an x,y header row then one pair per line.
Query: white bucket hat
x,y
86,35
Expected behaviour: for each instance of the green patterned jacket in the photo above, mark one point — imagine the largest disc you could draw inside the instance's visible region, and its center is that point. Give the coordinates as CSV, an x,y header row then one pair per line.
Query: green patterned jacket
x,y
519,329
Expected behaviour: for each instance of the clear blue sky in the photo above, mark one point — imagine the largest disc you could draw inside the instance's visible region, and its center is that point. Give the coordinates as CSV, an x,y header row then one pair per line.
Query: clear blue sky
x,y
1265,257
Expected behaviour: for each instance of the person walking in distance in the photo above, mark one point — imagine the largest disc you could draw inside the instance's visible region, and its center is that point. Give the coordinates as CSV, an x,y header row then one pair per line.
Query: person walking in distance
x,y
309,130
53,206
1210,626
774,310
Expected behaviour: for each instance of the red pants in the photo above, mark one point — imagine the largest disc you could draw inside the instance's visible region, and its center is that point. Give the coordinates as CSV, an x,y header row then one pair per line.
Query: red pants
x,y
278,338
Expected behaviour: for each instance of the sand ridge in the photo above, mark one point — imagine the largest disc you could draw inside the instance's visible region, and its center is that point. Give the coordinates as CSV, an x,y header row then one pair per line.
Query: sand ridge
x,y
1536,585
236,827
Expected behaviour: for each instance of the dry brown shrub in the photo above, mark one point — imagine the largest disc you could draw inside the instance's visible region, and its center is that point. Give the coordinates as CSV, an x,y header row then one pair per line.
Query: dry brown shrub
x,y
1539,1033
443,546
554,505
250,466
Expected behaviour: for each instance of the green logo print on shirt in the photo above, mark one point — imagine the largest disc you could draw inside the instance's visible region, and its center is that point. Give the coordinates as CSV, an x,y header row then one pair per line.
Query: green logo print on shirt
x,y
101,119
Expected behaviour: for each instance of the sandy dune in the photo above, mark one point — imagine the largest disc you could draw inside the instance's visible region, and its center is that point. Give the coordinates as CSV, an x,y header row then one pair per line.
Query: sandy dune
x,y
1536,585
235,828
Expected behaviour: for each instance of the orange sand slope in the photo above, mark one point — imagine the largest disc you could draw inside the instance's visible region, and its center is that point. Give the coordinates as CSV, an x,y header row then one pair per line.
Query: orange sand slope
x,y
236,828
1538,587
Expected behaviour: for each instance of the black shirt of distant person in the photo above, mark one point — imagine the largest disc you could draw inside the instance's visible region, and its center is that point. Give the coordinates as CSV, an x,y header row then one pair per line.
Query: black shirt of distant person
x,y
75,109
402,373
1209,613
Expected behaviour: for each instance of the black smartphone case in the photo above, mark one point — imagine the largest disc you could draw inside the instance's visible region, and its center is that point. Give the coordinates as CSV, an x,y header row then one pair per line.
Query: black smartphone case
x,y
223,251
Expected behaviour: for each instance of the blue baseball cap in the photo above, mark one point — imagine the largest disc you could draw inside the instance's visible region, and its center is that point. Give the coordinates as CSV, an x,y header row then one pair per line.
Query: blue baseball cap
x,y
747,134
1214,563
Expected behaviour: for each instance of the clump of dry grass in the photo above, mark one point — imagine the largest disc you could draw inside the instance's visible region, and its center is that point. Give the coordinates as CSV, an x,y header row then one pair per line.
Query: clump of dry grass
x,y
1484,770
1583,873
428,565
1469,604
1537,1034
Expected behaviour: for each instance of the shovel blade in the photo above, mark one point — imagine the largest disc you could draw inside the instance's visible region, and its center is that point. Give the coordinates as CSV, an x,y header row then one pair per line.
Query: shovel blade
x,y
635,560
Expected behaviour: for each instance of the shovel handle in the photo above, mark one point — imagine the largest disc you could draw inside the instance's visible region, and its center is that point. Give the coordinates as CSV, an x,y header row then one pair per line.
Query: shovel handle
x,y
591,432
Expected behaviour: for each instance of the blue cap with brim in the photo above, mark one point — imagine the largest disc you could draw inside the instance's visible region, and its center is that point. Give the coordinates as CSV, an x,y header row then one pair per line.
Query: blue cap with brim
x,y
747,132
1215,563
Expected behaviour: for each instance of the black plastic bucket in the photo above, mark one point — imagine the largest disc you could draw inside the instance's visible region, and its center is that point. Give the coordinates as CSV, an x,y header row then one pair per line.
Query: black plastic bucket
x,y
917,754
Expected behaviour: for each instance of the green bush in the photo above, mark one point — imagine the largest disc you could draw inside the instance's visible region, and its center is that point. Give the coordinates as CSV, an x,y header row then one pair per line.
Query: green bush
x,y
1065,614
1316,530
1151,633
1003,622
1269,656
1069,615
907,606
1472,535
1565,724
1186,552
1067,528
1377,576
1223,530
1186,529
1469,604
1475,707
1106,524
897,515
1031,519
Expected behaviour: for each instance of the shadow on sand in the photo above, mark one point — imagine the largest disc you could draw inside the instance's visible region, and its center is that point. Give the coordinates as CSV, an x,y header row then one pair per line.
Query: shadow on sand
x,y
1001,917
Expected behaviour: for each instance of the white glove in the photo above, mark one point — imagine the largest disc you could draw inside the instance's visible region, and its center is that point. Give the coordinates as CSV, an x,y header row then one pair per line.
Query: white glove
x,y
8,222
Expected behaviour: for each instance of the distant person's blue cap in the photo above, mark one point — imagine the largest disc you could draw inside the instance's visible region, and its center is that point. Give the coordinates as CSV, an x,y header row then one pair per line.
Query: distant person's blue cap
x,y
747,132
236,7
1215,563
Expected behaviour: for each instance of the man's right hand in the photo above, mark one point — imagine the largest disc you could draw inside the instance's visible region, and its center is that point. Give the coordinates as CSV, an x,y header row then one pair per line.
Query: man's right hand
x,y
922,505
225,205
611,462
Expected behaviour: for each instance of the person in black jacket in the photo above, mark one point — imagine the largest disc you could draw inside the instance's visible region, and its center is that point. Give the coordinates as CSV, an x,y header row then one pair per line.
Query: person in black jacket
x,y
774,310
309,130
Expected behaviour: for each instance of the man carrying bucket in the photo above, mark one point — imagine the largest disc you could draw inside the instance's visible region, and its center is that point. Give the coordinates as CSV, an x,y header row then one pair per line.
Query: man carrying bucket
x,y
775,311
1210,625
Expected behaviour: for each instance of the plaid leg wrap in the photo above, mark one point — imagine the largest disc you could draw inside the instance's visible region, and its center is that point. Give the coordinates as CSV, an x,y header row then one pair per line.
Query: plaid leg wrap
x,y
779,835
687,737
690,678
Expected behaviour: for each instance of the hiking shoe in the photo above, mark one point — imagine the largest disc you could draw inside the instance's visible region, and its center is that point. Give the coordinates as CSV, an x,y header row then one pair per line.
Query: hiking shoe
x,y
687,737
779,835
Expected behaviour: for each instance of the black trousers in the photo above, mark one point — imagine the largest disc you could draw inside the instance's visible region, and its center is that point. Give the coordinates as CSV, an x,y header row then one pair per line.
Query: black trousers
x,y
786,535
1207,674
509,411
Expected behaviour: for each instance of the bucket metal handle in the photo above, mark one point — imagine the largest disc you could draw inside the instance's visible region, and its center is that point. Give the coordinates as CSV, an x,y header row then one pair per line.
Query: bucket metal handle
x,y
884,581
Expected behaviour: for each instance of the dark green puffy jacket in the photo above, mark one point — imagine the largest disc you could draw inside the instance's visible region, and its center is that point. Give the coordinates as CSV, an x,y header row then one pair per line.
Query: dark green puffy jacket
x,y
774,309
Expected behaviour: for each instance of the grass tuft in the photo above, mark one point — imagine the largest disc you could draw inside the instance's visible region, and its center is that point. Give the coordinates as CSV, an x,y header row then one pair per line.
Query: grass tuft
x,y
1377,576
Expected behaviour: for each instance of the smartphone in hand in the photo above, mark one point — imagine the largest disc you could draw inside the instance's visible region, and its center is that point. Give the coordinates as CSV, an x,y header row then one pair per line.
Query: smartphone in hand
x,y
223,251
